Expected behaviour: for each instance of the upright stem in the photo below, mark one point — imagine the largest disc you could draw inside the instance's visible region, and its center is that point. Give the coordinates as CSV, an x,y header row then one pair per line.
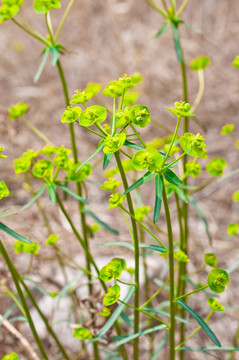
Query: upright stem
x,y
171,276
136,254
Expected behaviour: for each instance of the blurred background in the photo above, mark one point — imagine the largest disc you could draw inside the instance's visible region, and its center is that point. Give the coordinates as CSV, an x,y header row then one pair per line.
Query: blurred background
x,y
106,39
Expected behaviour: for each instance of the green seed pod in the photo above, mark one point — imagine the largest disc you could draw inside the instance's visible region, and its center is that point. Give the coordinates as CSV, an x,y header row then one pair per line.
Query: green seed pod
x,y
193,168
4,192
112,295
217,280
215,305
180,256
140,115
82,333
116,199
42,168
210,259
149,159
71,114
114,143
216,166
193,145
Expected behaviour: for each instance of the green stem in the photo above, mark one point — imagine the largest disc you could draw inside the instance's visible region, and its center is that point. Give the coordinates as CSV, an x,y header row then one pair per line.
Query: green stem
x,y
138,136
190,293
22,298
194,332
200,90
180,10
63,19
171,276
157,8
10,293
37,131
33,34
136,254
49,27
113,120
172,141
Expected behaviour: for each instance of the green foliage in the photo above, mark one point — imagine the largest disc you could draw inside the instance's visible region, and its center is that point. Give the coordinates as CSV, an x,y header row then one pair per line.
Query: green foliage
x,y
82,333
110,185
210,259
216,166
232,229
43,6
200,63
235,196
227,129
31,249
92,114
112,270
180,256
149,159
193,145
17,111
12,356
1,155
116,199
181,109
52,239
9,9
117,88
236,62
81,97
80,175
105,312
193,168
215,305
4,192
141,212
71,114
140,115
112,295
217,280
114,143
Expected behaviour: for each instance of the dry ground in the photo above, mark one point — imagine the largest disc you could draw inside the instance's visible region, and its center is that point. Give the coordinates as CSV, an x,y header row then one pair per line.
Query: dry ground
x,y
108,38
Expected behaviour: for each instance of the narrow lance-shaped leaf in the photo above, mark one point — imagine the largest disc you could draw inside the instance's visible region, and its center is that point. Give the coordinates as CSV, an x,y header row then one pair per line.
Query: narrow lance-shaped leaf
x,y
100,147
12,233
147,176
201,322
131,247
52,193
55,54
38,194
106,226
158,196
162,29
133,145
177,43
159,348
171,177
107,158
41,67
202,217
68,191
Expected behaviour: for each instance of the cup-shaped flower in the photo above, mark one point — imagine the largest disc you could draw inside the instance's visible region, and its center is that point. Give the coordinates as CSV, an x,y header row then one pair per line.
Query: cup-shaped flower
x,y
149,159
123,117
217,280
116,199
9,10
193,145
43,6
12,356
4,192
110,271
110,185
80,175
71,114
210,259
114,89
52,240
105,312
181,109
215,305
140,115
17,111
22,164
49,150
193,169
200,63
42,168
216,166
235,195
232,229
119,261
112,295
92,114
141,212
82,333
61,161
114,143
31,249
235,63
180,256
227,129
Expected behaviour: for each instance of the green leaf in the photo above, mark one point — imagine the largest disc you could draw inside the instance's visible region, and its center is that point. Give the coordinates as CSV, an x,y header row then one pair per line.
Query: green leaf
x,y
147,176
41,67
172,178
106,226
125,339
177,43
181,194
52,193
55,54
107,158
225,348
162,29
38,194
202,217
131,247
12,233
127,320
133,145
6,215
159,348
201,322
158,196
199,31
115,314
18,318
68,191
44,292
99,147
161,312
